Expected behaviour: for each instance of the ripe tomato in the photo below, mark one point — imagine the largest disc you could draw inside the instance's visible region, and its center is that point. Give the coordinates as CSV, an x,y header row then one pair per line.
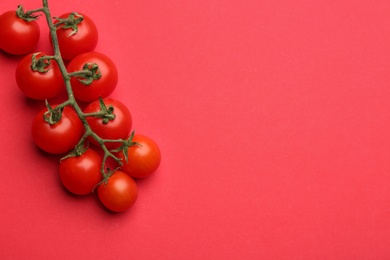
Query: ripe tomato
x,y
73,44
118,128
17,36
101,87
35,84
80,174
60,137
143,158
119,192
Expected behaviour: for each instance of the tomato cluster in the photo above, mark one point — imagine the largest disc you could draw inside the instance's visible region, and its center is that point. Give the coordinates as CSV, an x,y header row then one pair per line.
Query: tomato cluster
x,y
85,137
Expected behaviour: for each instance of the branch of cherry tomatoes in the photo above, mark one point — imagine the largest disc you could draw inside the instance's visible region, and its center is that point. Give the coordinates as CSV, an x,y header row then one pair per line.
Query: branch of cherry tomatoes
x,y
65,128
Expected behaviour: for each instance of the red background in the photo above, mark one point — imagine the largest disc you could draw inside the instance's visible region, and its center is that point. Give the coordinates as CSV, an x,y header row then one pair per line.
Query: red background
x,y
273,118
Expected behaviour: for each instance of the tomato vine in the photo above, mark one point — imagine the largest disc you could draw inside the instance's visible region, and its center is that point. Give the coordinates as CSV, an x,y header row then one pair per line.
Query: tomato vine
x,y
89,77
71,101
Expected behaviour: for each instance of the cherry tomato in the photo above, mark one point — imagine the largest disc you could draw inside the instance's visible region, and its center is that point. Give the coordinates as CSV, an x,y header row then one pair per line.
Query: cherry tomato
x,y
118,128
74,43
119,192
80,174
60,137
17,36
143,158
99,87
35,84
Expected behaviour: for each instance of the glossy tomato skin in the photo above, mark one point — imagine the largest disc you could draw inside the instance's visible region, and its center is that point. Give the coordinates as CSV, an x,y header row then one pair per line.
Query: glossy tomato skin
x,y
119,193
143,158
38,85
101,87
119,128
85,40
80,174
58,138
18,36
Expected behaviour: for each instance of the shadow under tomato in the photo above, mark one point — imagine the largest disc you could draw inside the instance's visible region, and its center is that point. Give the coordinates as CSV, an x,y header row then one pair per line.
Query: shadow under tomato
x,y
11,57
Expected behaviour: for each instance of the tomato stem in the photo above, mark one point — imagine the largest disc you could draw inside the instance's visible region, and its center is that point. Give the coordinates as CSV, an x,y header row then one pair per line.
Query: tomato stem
x,y
81,73
71,21
106,112
101,114
89,73
41,64
28,16
53,115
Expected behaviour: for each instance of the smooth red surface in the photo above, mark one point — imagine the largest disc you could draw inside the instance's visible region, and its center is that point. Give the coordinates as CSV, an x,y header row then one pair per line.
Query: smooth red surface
x,y
273,119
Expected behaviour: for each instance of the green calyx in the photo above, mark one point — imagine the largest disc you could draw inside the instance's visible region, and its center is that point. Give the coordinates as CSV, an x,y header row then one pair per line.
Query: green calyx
x,y
80,149
107,112
92,72
42,64
52,115
125,146
107,173
29,17
71,22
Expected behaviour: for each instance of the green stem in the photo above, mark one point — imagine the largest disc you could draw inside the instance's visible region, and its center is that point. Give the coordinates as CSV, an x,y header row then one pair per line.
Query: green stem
x,y
82,139
71,99
80,73
102,114
47,57
113,141
29,12
63,104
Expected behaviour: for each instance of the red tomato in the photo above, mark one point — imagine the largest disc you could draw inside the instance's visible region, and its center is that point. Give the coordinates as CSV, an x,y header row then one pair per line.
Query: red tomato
x,y
119,192
73,44
80,174
101,87
143,158
17,36
118,128
38,85
60,137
